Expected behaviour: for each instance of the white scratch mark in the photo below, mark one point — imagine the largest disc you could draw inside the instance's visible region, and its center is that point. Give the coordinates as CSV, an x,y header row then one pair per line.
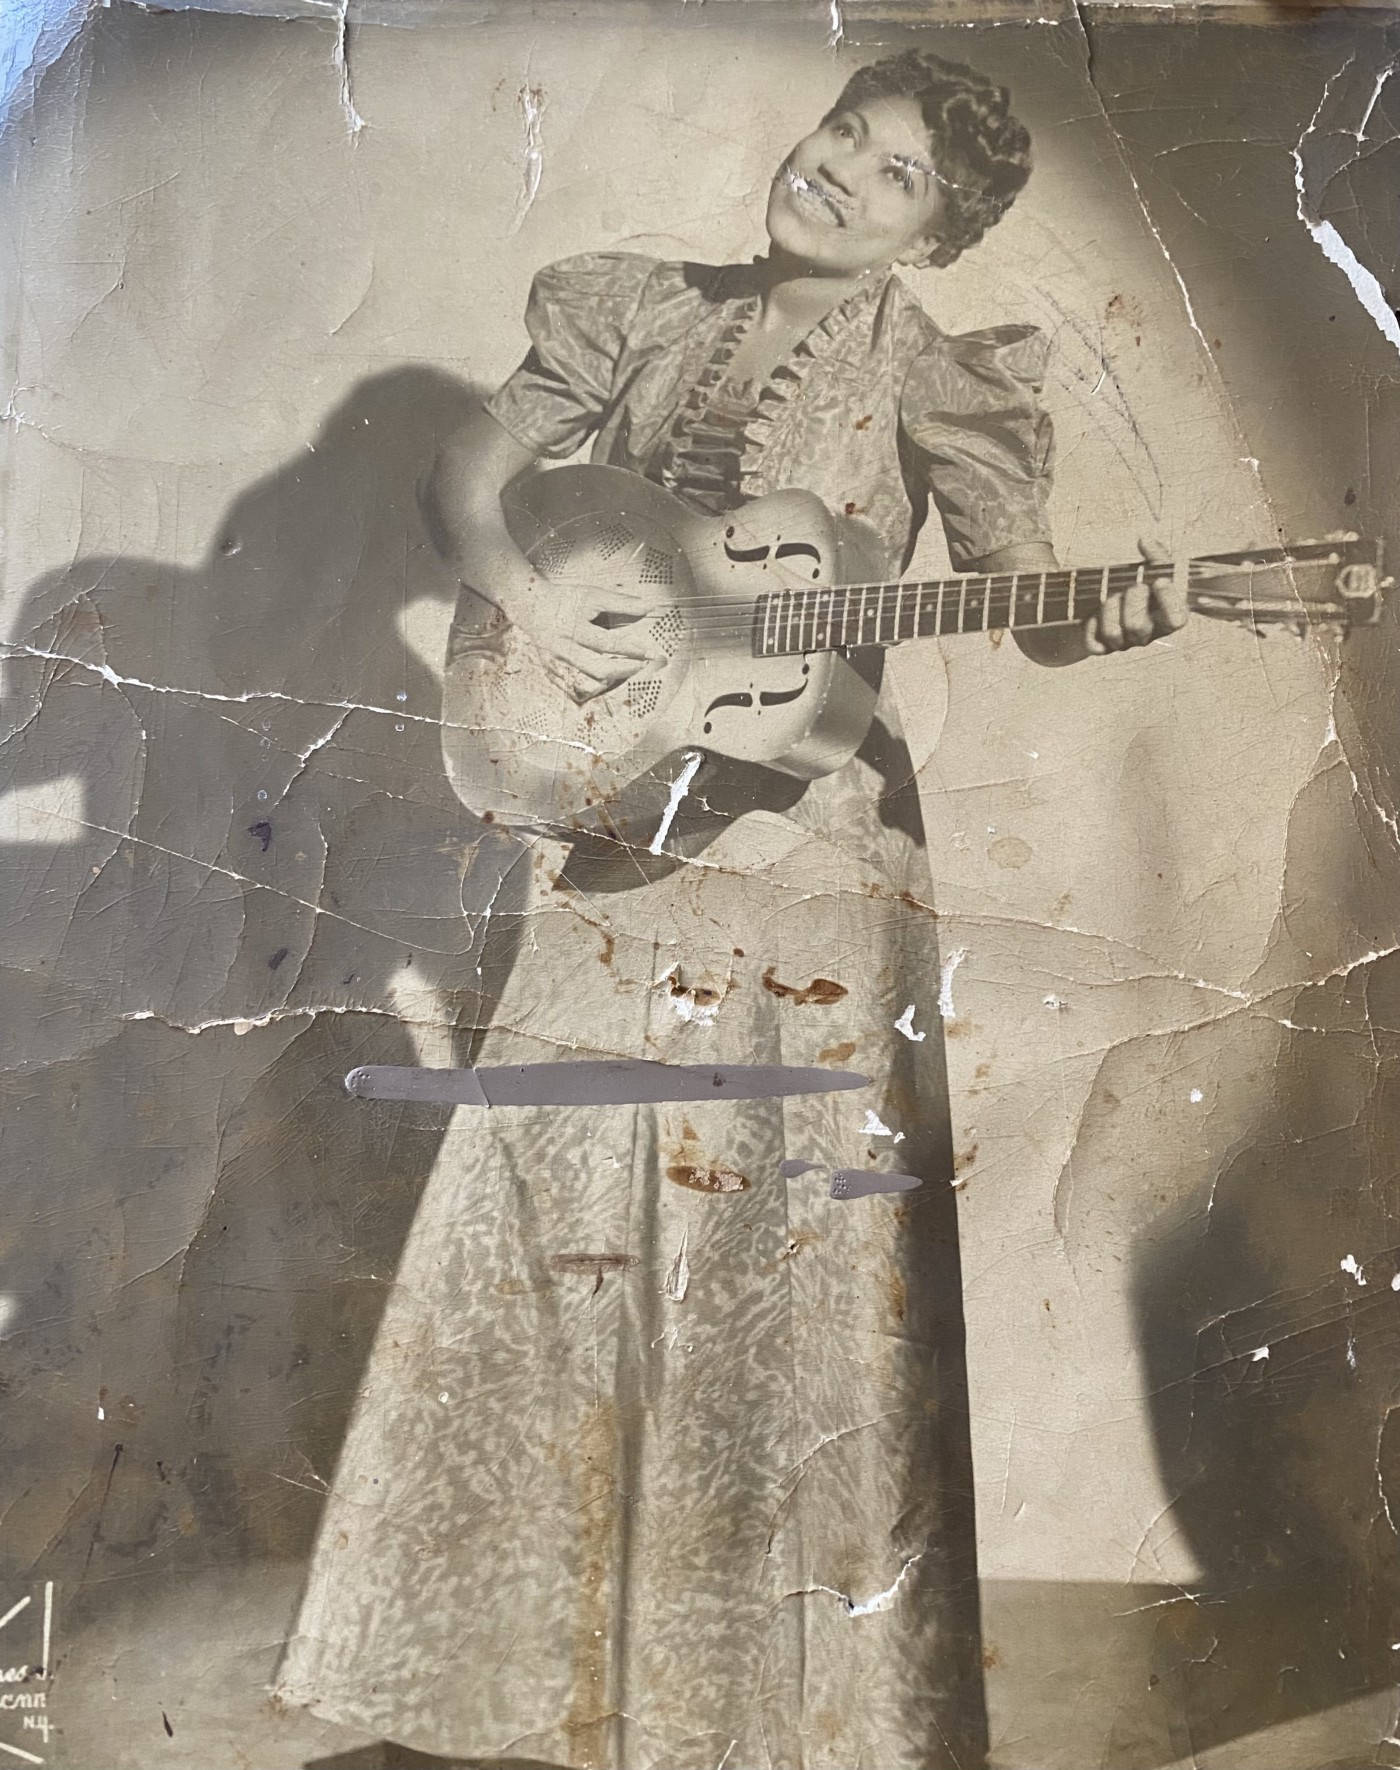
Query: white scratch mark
x,y
875,1126
945,983
678,1278
837,35
9,1309
532,103
1196,1097
1376,91
679,787
1365,285
905,1025
1395,1282
1348,1264
354,122
1259,1354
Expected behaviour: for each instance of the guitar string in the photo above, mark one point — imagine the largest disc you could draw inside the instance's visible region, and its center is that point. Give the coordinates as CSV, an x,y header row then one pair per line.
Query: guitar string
x,y
716,612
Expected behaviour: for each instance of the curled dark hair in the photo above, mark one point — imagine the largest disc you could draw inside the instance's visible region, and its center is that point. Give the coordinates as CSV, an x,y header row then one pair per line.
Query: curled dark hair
x,y
983,154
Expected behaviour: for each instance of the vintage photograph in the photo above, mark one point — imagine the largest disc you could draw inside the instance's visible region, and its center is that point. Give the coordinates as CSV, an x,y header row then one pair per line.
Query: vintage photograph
x,y
700,888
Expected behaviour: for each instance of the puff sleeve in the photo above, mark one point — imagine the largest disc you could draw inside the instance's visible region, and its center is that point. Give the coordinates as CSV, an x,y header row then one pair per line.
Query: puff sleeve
x,y
578,317
971,418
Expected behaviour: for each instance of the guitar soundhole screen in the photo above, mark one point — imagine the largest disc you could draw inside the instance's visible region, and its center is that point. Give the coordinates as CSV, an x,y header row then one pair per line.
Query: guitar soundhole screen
x,y
643,697
611,539
656,568
667,630
553,555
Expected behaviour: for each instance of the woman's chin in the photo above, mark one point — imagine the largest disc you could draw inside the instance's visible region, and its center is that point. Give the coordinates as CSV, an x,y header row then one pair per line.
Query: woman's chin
x,y
794,241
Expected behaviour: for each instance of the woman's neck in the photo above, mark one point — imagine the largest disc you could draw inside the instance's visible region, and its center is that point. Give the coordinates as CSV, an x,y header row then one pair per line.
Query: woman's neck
x,y
795,297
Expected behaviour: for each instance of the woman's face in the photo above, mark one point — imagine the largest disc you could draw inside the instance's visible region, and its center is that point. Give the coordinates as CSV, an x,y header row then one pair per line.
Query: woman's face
x,y
860,192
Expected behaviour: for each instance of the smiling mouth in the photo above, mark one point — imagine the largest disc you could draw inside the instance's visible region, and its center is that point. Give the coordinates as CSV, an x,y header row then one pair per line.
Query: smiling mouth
x,y
810,192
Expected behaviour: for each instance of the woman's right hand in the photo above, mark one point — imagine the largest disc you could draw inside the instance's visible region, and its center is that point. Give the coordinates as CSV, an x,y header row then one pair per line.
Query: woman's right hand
x,y
589,638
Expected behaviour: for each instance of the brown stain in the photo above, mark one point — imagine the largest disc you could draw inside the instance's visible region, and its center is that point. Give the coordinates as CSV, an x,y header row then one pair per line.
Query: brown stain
x,y
700,993
609,947
516,1287
1009,852
957,1029
589,1719
965,1159
997,635
991,1659
798,1241
821,990
865,422
596,1264
897,1293
982,1071
837,1053
852,508
703,1179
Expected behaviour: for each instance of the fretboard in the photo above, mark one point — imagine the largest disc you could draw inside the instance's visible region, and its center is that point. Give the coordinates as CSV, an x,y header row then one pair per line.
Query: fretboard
x,y
835,617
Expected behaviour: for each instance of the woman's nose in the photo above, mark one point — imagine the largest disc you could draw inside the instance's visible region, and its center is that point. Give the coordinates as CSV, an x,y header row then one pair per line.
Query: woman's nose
x,y
833,174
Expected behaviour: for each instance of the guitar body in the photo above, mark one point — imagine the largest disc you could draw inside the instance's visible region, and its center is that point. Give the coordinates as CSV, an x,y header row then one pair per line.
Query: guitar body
x,y
522,750
674,753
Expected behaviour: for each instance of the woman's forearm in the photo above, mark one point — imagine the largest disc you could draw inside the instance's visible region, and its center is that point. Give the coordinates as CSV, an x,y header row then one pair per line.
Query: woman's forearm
x,y
461,502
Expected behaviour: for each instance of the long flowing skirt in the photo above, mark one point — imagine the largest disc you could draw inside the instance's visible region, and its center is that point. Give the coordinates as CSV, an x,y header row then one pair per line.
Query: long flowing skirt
x,y
661,1457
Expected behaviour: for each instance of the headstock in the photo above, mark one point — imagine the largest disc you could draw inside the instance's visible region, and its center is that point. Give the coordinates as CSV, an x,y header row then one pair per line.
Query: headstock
x,y
1338,582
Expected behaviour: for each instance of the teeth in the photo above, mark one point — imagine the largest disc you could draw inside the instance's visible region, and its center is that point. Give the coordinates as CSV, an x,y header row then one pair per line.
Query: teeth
x,y
807,188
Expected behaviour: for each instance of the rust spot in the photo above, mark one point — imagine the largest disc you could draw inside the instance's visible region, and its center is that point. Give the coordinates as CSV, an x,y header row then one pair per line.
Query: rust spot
x,y
837,1053
609,947
852,508
821,990
966,1159
700,1179
865,422
1046,1302
738,952
488,817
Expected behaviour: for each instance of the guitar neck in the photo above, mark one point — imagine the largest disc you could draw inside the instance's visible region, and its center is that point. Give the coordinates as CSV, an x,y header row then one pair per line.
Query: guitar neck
x,y
836,617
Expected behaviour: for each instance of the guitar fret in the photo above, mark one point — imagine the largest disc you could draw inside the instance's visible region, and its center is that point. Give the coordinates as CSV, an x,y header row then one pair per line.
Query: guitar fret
x,y
1040,603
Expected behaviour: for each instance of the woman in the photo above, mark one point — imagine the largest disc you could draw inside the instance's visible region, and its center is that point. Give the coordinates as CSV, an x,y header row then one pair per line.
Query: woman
x,y
662,1457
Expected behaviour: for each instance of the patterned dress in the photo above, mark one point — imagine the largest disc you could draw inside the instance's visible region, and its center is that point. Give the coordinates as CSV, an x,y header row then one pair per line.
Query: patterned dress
x,y
661,1457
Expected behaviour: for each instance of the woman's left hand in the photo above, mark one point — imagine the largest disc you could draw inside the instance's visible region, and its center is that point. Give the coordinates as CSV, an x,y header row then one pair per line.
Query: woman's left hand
x,y
1149,609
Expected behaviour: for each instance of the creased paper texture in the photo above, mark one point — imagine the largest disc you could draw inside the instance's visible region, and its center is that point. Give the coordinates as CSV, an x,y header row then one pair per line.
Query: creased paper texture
x,y
1023,1400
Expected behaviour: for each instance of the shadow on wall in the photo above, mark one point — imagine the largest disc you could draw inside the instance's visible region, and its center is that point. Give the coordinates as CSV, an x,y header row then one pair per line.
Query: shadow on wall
x,y
233,818
1271,1331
